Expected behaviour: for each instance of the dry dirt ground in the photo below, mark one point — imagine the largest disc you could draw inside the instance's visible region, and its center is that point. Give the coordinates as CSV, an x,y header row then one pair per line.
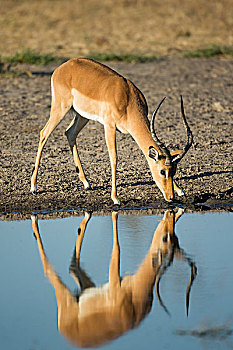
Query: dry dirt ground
x,y
73,28
76,27
205,173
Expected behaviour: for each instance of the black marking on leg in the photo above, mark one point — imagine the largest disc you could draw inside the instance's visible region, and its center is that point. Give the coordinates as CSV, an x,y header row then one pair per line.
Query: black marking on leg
x,y
79,231
33,169
34,235
77,169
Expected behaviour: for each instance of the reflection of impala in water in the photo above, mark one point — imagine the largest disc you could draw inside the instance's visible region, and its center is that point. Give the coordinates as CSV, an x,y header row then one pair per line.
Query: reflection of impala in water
x,y
100,314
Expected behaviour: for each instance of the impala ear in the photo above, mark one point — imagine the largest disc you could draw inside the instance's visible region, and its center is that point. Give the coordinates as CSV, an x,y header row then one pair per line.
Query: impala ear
x,y
153,153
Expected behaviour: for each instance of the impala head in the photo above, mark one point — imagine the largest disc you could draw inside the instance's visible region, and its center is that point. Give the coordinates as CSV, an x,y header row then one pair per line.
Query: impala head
x,y
165,162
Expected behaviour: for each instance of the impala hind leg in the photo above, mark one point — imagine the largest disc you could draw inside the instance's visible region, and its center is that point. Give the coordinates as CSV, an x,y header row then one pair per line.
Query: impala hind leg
x,y
72,132
56,115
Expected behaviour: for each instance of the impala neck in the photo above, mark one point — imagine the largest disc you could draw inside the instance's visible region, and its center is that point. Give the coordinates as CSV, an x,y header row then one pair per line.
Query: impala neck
x,y
144,140
140,130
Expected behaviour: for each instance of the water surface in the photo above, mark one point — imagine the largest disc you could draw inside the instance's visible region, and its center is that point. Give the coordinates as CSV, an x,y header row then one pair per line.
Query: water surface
x,y
28,307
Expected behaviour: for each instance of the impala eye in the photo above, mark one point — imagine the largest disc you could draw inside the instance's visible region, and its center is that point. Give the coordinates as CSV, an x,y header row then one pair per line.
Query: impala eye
x,y
162,172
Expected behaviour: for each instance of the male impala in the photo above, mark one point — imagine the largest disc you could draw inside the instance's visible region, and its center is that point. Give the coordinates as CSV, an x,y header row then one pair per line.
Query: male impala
x,y
100,314
97,92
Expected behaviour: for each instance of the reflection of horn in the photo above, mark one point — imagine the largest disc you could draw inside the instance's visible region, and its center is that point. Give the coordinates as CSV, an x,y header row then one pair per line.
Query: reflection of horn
x,y
159,298
192,277
176,252
180,253
161,271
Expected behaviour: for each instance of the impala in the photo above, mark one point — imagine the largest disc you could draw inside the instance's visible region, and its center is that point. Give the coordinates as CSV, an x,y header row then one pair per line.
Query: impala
x,y
99,93
98,314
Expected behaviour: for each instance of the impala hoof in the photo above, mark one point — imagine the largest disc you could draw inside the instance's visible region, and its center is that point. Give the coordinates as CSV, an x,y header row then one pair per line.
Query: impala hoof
x,y
33,189
87,185
181,193
116,201
87,215
34,218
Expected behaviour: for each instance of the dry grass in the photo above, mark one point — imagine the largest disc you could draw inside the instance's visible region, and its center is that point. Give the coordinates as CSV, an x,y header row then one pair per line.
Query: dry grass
x,y
149,27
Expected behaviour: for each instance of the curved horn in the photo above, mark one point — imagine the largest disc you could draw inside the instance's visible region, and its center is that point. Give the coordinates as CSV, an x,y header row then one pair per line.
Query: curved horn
x,y
163,149
189,135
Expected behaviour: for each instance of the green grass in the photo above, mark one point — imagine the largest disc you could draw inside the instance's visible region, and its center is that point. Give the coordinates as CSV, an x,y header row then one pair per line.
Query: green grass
x,y
210,51
122,57
31,57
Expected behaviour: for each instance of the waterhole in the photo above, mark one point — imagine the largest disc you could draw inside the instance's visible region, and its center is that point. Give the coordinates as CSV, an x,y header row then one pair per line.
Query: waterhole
x,y
140,282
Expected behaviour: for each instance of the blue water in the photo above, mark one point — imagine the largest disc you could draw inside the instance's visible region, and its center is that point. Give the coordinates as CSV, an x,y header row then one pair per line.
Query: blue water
x,y
28,309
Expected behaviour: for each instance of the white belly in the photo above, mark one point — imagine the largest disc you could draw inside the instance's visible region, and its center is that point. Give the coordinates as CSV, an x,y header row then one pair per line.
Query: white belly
x,y
87,108
87,115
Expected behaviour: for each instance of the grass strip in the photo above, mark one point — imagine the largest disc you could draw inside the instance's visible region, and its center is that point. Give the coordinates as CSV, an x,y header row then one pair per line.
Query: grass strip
x,y
210,51
122,57
31,57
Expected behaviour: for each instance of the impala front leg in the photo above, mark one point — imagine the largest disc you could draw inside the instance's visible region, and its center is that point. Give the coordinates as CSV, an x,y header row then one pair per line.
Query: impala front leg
x,y
110,137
